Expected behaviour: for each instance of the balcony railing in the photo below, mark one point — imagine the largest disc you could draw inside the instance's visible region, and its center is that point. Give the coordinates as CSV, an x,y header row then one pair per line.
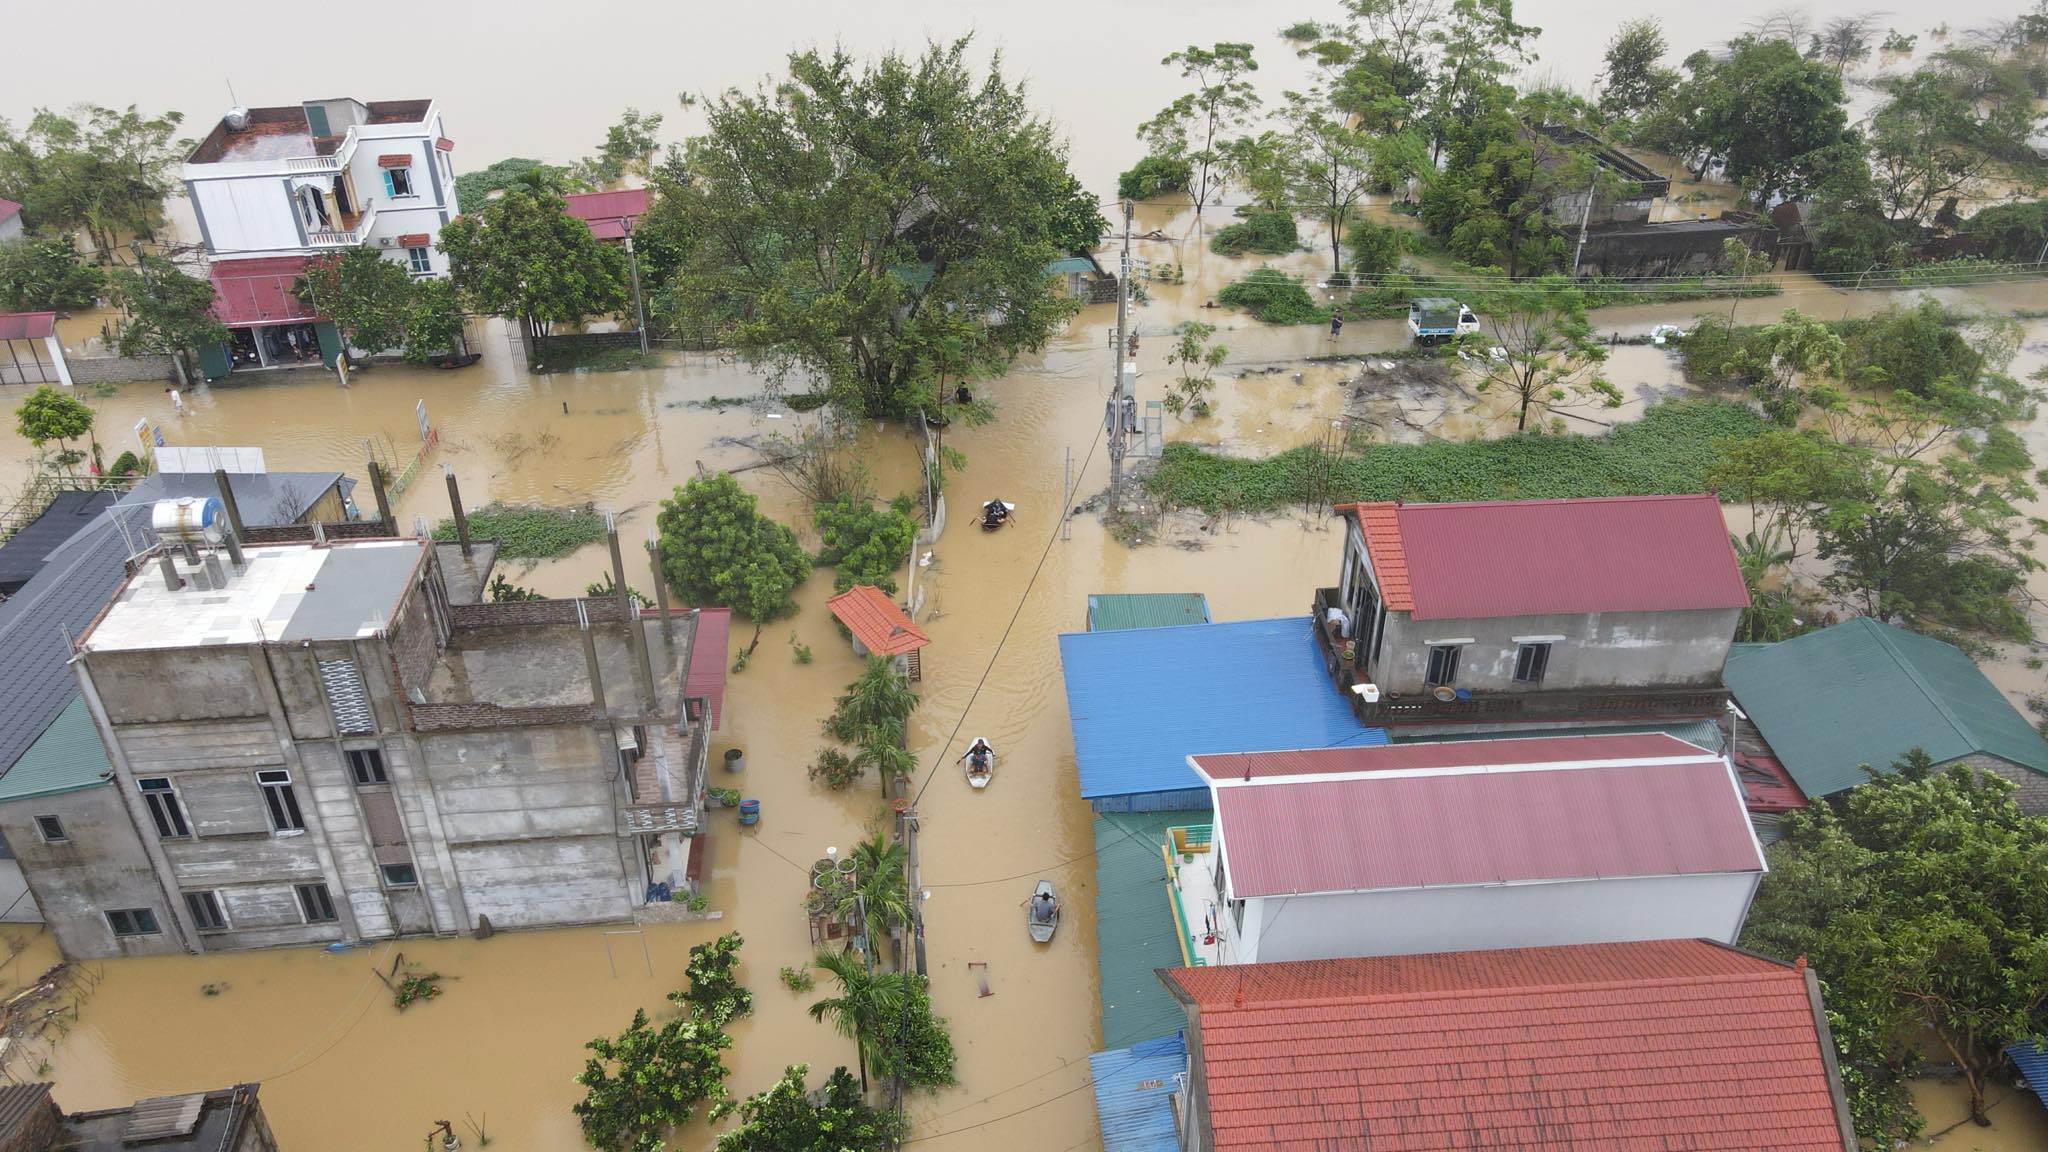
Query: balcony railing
x,y
1524,706
313,164
349,237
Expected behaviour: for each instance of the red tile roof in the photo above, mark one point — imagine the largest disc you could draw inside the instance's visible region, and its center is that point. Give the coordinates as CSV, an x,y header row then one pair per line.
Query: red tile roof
x,y
1640,1047
7,209
27,325
1386,830
602,210
876,621
395,160
1531,557
1444,754
259,290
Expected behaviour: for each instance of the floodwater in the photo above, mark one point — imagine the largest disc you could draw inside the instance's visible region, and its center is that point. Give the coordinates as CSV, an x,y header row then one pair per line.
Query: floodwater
x,y
344,1070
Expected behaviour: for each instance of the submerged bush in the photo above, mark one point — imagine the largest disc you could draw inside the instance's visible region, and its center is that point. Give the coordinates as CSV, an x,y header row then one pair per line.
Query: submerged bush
x,y
1274,297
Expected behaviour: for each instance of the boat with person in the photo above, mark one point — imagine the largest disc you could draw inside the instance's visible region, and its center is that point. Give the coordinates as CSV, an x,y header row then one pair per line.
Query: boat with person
x,y
1042,917
979,762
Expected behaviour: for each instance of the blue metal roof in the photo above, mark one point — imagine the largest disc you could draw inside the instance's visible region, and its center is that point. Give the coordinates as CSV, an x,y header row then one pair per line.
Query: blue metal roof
x,y
2030,1058
1134,1094
1142,700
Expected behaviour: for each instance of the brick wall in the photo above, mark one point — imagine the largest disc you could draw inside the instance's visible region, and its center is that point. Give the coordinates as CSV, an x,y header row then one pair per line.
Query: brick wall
x,y
454,717
2032,793
116,369
515,612
303,533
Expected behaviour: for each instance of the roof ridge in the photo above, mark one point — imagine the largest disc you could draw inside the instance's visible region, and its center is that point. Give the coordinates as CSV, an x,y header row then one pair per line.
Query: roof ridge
x,y
1767,967
1881,632
1643,497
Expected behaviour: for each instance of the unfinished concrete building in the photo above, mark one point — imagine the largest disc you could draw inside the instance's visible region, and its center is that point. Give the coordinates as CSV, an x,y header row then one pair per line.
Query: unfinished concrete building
x,y
339,741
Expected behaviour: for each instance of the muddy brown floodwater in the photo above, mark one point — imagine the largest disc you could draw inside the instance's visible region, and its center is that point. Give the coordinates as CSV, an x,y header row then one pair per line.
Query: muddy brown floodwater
x,y
344,1070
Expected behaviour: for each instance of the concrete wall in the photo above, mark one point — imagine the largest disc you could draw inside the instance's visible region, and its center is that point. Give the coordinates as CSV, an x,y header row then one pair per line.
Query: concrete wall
x,y
1602,650
17,904
1408,921
102,866
211,683
120,369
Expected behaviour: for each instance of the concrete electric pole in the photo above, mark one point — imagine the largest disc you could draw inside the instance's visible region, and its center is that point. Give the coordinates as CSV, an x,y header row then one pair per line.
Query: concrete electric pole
x,y
1124,370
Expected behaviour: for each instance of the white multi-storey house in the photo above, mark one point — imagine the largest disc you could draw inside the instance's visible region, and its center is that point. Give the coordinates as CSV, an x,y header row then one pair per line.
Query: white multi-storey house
x,y
276,187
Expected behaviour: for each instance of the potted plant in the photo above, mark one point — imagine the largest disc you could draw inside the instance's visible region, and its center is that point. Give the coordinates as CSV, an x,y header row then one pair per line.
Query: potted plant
x,y
725,797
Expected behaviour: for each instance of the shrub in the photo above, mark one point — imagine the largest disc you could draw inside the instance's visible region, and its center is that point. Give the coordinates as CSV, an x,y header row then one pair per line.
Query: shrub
x,y
836,769
1274,297
125,465
1268,232
1154,176
797,979
865,542
526,532
1375,248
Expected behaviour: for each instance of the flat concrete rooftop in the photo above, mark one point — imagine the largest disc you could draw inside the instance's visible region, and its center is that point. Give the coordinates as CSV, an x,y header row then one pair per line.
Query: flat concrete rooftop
x,y
538,665
284,592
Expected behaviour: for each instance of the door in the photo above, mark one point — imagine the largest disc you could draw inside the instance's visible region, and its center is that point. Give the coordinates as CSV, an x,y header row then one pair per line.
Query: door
x,y
409,911
213,361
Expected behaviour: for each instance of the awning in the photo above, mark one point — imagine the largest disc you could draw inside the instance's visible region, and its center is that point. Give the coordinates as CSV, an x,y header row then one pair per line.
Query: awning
x,y
259,291
415,240
444,144
395,160
27,325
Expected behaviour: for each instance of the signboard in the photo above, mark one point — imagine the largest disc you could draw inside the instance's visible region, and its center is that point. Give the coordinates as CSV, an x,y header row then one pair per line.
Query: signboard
x,y
341,369
419,414
143,438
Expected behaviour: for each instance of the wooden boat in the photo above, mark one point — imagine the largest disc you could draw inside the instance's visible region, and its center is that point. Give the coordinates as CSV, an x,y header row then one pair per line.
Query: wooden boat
x,y
978,778
1042,916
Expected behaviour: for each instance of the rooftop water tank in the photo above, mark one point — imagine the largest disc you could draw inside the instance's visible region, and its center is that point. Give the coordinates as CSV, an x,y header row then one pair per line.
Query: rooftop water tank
x,y
189,518
237,118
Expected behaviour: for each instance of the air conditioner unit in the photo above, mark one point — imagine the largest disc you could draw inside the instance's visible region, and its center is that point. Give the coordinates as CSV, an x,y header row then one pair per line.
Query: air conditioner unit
x,y
383,241
626,740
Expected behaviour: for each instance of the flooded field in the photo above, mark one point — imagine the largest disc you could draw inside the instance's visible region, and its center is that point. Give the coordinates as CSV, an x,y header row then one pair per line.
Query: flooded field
x,y
345,1070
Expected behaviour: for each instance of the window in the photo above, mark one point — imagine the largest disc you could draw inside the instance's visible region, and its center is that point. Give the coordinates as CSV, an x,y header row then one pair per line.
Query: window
x,y
1531,661
1443,664
163,807
205,910
132,922
284,803
52,829
398,182
367,764
420,260
316,903
400,876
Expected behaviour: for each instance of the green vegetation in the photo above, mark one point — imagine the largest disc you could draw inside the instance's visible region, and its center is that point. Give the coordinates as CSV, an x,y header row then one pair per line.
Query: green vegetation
x,y
797,979
1197,361
46,275
888,1015
522,255
1671,449
1269,233
628,149
836,769
1541,351
1912,896
472,189
880,700
865,542
1274,297
789,1118
1154,176
529,532
101,171
504,591
378,304
717,548
48,414
168,312
597,358
647,1081
1195,128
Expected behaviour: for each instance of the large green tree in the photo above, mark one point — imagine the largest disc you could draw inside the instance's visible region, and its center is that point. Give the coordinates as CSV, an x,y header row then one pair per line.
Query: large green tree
x,y
369,298
1547,352
877,227
522,255
1633,75
788,1117
167,312
1917,897
628,149
102,171
46,274
1768,117
1492,203
865,1006
1332,165
717,548
1197,126
1946,129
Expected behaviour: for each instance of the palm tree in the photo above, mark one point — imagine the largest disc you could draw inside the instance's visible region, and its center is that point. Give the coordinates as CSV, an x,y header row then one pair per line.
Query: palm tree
x,y
879,891
1772,612
882,749
867,1002
881,698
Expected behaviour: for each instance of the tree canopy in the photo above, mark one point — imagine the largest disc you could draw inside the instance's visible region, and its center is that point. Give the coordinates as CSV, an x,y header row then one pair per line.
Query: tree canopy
x,y
1197,126
880,228
169,313
102,171
46,274
717,548
369,298
1547,351
1768,117
787,1118
1633,75
522,255
1917,899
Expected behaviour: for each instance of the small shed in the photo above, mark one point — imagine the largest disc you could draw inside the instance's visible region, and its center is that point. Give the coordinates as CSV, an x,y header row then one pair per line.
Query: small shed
x,y
1107,612
1135,1089
30,352
880,627
607,213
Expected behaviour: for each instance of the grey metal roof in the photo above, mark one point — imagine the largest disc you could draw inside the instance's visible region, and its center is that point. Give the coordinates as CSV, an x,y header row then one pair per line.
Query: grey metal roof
x,y
263,498
23,554
73,586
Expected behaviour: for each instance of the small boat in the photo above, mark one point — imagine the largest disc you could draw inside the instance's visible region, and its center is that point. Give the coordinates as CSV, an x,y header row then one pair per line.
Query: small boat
x,y
1042,917
995,514
452,361
979,771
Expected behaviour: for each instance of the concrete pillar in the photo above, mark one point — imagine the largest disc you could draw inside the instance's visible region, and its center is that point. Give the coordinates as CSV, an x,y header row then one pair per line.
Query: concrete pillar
x,y
227,502
455,503
56,349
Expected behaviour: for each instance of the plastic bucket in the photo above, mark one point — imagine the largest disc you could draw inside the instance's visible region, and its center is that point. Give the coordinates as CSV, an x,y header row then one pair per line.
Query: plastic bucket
x,y
750,811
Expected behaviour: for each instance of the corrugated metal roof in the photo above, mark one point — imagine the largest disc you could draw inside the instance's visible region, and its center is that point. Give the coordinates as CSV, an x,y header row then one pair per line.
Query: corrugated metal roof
x,y
22,1103
707,659
1864,692
79,579
1522,750
1134,1094
264,499
23,554
1474,826
1642,1047
27,325
258,290
2030,1058
875,620
1531,557
1135,933
1108,612
1142,700
602,210
66,757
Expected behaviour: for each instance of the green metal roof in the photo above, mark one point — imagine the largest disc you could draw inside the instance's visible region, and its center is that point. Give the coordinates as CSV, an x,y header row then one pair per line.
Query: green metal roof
x,y
1134,928
68,756
1864,692
1067,264
1108,612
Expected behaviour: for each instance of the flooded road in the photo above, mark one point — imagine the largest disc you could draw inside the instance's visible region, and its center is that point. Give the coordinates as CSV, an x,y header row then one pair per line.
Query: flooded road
x,y
502,1045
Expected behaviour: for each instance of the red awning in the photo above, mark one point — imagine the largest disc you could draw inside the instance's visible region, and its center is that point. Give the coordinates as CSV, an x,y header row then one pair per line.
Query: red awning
x,y
395,160
27,325
876,621
444,144
415,240
259,291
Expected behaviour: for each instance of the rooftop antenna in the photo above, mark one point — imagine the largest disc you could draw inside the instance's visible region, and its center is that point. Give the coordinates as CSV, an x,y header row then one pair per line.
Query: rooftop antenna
x,y
232,98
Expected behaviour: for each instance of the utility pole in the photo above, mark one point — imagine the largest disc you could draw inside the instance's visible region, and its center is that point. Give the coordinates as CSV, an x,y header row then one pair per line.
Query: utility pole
x,y
1118,367
633,262
1585,218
